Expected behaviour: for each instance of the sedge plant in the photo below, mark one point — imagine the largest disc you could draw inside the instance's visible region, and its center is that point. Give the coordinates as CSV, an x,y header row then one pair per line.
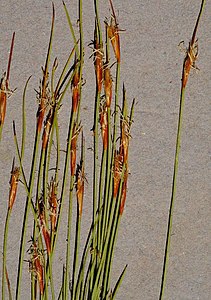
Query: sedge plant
x,y
189,63
58,181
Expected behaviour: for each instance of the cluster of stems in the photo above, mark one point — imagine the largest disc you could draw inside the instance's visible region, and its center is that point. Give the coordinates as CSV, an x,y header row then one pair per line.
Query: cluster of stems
x,y
54,180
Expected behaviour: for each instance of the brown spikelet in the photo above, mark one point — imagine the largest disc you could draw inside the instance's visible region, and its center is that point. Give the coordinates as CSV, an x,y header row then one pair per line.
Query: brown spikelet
x,y
3,99
189,62
125,136
4,86
104,126
43,100
75,91
98,61
15,173
53,204
124,192
73,148
118,161
108,85
80,177
47,128
43,225
113,33
37,267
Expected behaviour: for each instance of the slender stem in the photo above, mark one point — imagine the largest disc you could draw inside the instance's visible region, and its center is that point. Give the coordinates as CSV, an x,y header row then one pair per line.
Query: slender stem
x,y
66,285
176,159
5,252
26,213
173,195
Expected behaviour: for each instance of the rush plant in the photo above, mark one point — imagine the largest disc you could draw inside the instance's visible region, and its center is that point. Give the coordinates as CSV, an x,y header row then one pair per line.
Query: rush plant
x,y
54,181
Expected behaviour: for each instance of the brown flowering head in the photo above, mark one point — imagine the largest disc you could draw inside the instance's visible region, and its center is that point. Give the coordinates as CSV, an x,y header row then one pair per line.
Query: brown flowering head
x,y
117,171
98,60
107,85
3,99
104,125
124,192
73,148
53,203
189,62
75,90
36,265
43,96
125,136
80,178
15,173
113,34
47,128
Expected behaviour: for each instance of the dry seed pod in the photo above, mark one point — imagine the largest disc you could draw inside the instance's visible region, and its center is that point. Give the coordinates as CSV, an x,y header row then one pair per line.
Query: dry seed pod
x,y
13,186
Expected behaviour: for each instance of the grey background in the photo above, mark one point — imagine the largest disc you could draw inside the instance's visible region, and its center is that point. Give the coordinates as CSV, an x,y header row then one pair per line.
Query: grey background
x,y
151,69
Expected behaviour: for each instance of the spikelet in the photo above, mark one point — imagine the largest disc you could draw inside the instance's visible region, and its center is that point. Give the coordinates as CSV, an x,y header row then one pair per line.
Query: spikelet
x,y
4,86
13,186
124,192
104,125
107,85
98,61
36,266
190,59
75,91
80,178
117,170
73,148
52,200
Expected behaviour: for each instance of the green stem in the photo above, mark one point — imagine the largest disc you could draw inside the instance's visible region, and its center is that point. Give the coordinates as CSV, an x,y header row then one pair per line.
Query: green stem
x,y
66,282
26,213
5,252
173,195
176,162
